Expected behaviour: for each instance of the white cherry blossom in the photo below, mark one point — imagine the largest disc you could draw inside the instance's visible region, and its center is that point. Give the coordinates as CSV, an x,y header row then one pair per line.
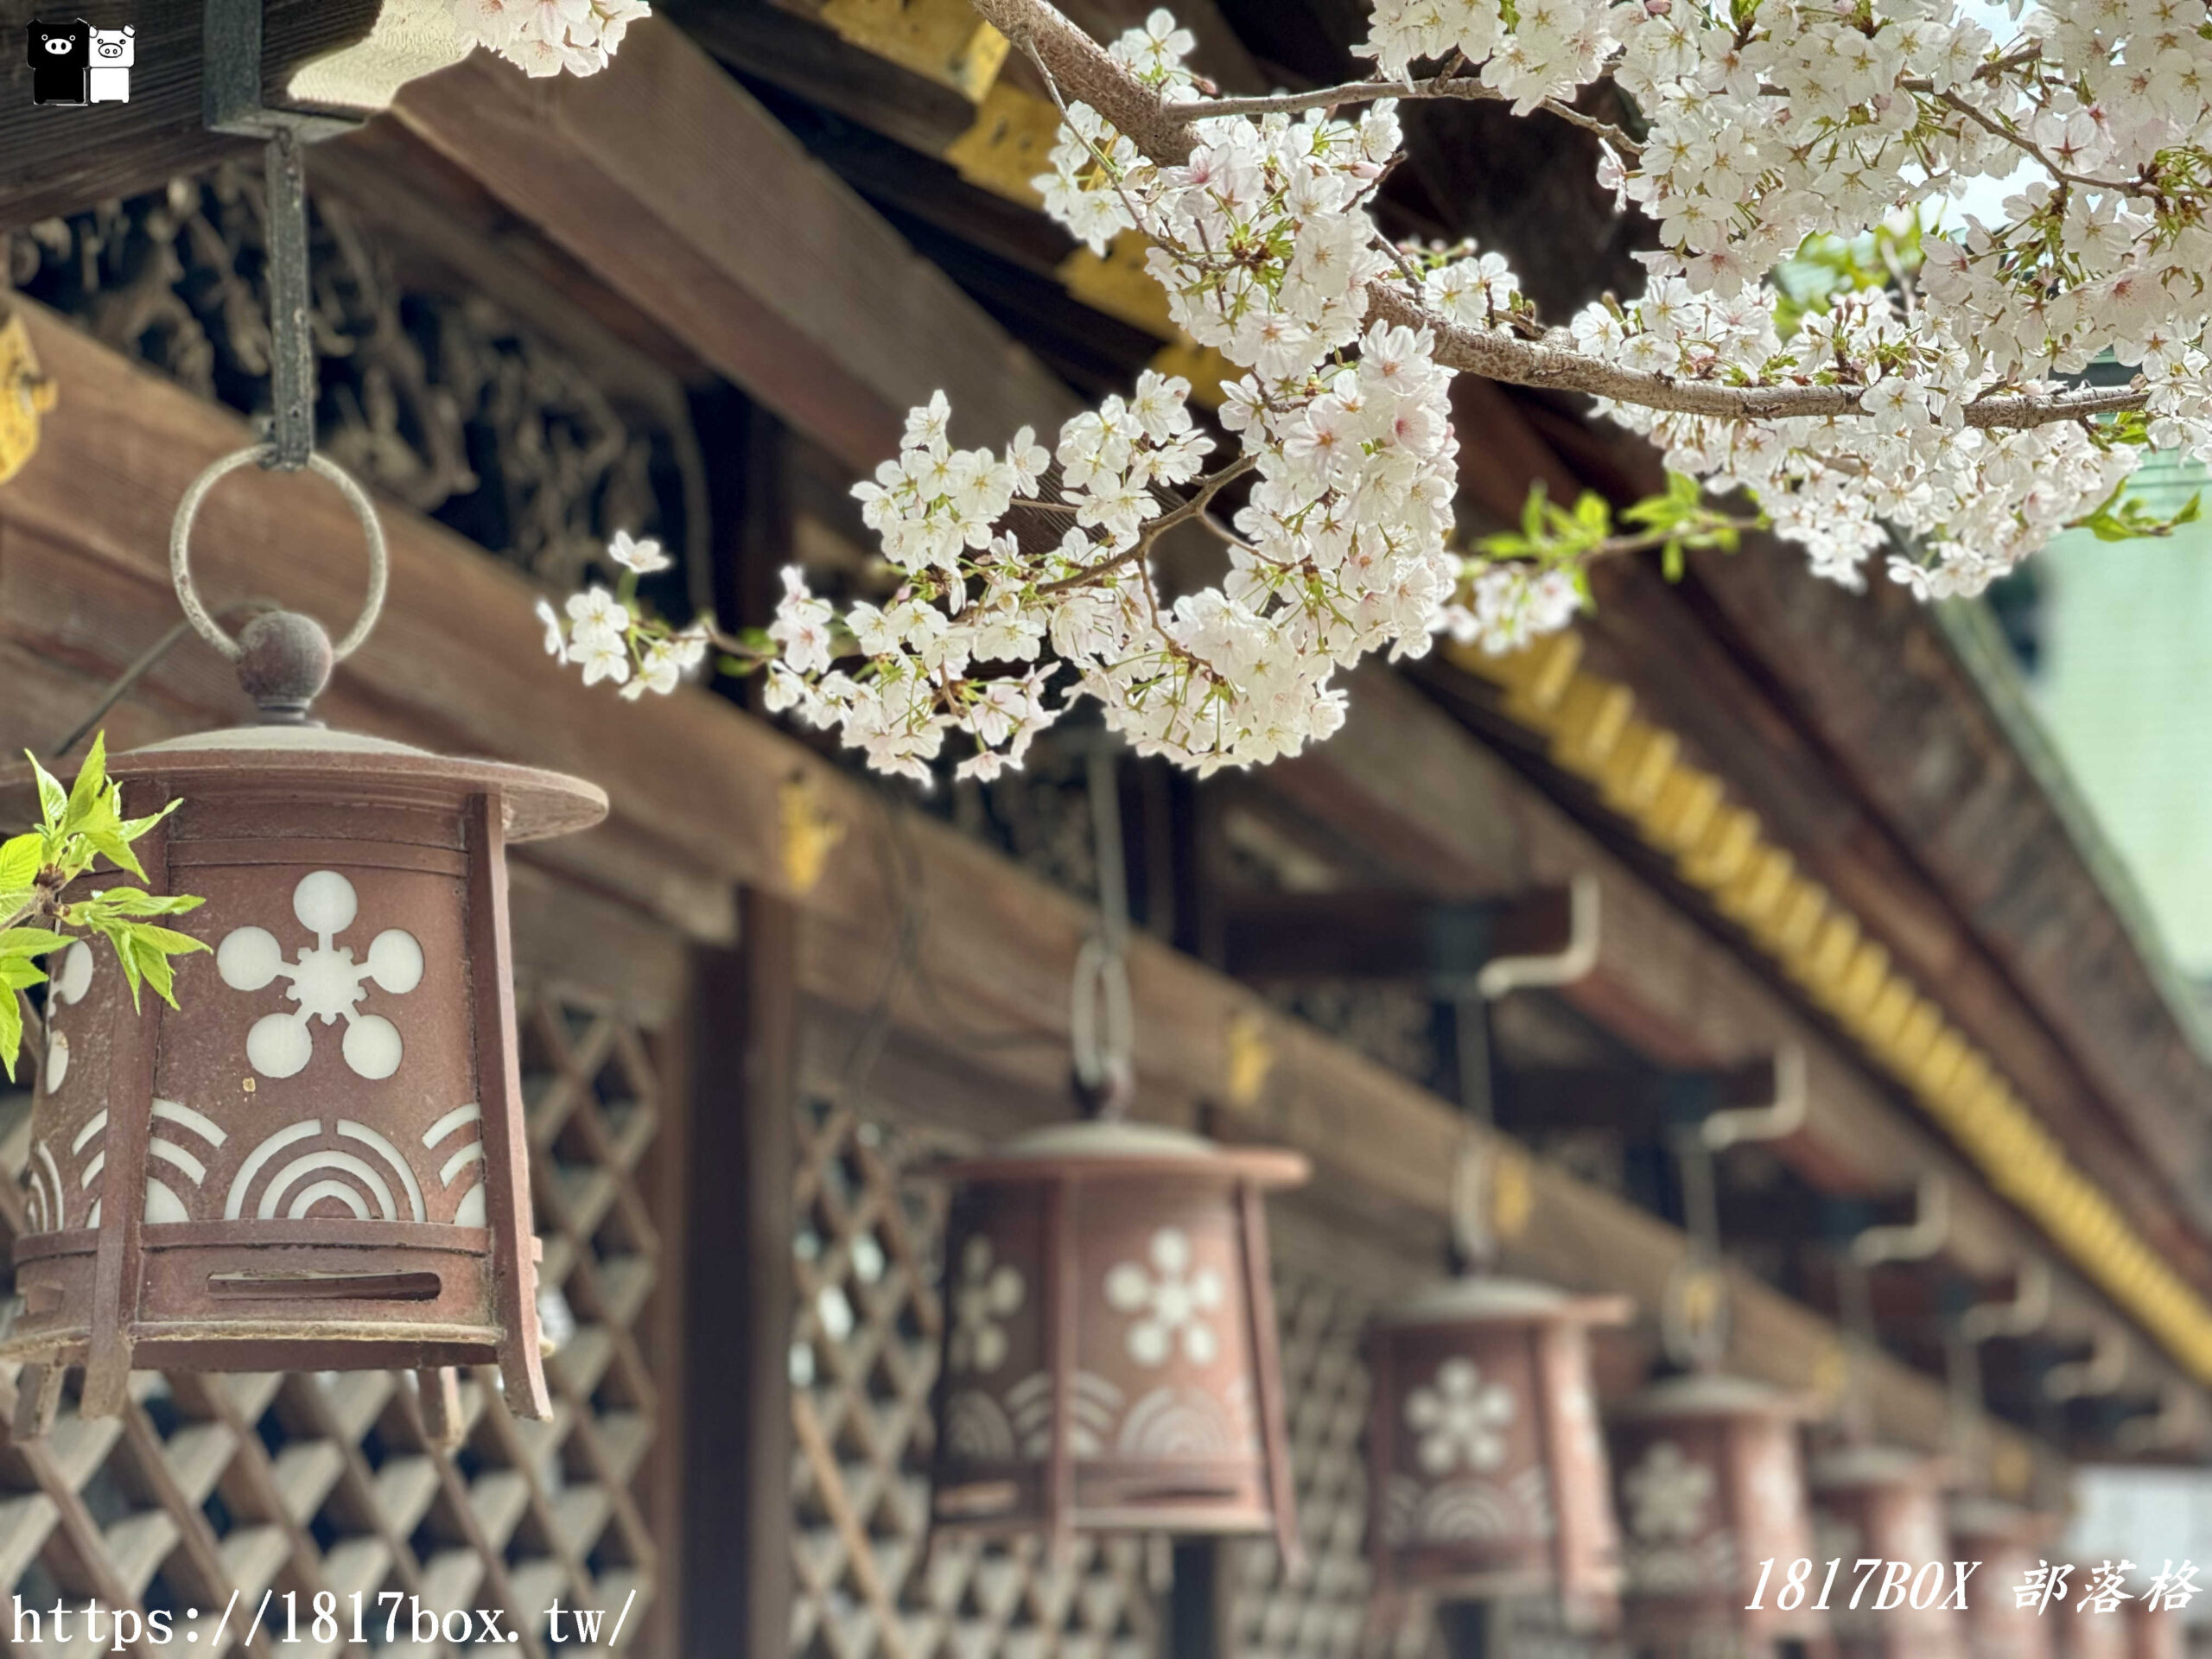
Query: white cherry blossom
x,y
547,37
1026,579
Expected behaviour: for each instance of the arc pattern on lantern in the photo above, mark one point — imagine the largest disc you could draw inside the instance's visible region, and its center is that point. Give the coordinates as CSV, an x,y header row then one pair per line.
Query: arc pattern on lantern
x,y
1710,1481
1110,1360
315,1161
1488,1470
1886,1501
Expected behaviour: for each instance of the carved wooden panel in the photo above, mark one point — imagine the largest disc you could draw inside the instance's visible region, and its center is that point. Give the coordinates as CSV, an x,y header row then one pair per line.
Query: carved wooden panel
x,y
869,1582
211,1492
440,399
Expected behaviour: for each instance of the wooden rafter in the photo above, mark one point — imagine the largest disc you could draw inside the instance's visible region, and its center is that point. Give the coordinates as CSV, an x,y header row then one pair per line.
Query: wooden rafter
x,y
764,262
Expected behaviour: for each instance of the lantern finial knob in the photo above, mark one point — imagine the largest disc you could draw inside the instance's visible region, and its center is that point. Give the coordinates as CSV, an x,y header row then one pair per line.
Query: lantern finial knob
x,y
284,662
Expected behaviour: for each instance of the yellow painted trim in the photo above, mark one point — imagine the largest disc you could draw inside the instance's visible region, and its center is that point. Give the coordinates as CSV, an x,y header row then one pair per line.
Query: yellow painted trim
x,y
25,395
1594,732
943,40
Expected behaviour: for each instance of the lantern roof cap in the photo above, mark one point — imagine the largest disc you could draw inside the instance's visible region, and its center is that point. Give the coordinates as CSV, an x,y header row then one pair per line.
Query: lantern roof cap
x,y
1713,1394
538,804
1112,1147
1488,1297
1847,1466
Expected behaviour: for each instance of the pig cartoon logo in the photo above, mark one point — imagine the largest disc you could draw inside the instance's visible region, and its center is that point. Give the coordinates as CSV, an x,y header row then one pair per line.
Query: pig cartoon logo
x,y
113,51
60,54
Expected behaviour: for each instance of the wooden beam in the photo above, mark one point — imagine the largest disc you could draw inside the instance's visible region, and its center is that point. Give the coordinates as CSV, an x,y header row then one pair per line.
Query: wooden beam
x,y
1455,817
755,256
1637,1101
2149,1154
1385,934
1872,678
806,57
703,794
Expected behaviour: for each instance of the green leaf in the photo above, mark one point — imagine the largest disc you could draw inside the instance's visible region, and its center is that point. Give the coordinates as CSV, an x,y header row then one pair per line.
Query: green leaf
x,y
134,901
52,799
166,940
21,859
117,850
131,829
11,1033
30,941
20,973
88,793
119,936
154,963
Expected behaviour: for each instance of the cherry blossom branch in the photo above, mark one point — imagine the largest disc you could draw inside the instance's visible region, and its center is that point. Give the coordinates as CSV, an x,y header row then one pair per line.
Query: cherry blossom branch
x,y
1193,506
2021,142
1083,71
1464,87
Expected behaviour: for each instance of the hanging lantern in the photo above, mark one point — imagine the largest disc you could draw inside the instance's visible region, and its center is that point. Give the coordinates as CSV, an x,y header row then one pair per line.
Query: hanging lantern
x,y
1710,1484
1886,1502
1110,1359
317,1159
1487,1465
2008,1540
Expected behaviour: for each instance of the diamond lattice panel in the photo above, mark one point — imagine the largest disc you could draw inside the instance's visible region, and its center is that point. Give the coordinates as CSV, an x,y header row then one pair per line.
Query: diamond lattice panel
x,y
1322,1610
870,1583
324,1488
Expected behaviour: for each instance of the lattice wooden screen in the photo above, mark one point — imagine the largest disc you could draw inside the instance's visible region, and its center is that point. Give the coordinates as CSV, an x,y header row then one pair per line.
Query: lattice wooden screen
x,y
209,1486
1322,1612
868,1582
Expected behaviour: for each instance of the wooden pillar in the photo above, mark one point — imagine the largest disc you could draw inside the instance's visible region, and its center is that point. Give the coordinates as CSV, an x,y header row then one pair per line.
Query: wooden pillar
x,y
1199,1598
738,1294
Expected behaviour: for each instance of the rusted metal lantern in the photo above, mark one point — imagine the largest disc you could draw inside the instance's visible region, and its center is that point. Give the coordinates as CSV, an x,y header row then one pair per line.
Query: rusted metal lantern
x,y
1487,1473
1711,1482
1111,1356
1885,1502
2008,1540
317,1159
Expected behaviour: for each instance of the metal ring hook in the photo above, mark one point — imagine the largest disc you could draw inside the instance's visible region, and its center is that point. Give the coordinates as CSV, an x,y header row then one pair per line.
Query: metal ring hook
x,y
1102,1022
187,596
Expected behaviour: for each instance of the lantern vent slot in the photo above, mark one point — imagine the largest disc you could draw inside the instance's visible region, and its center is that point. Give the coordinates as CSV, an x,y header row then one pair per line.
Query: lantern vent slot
x,y
326,1287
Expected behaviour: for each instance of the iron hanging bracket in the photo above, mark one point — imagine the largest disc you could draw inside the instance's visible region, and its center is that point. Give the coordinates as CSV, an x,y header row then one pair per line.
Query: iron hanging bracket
x,y
231,80
231,77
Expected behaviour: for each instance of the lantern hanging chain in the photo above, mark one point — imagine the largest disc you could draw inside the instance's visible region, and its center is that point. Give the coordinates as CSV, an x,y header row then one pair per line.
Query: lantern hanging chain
x,y
291,338
289,443
1102,1019
1694,1314
1700,1195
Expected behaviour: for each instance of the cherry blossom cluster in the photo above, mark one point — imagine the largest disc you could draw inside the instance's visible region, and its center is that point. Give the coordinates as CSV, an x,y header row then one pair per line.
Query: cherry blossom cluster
x,y
1772,124
1345,470
609,636
1760,131
547,37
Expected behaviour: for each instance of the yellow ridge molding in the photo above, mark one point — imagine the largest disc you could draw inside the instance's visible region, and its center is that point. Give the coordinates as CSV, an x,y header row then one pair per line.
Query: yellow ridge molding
x,y
1594,732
